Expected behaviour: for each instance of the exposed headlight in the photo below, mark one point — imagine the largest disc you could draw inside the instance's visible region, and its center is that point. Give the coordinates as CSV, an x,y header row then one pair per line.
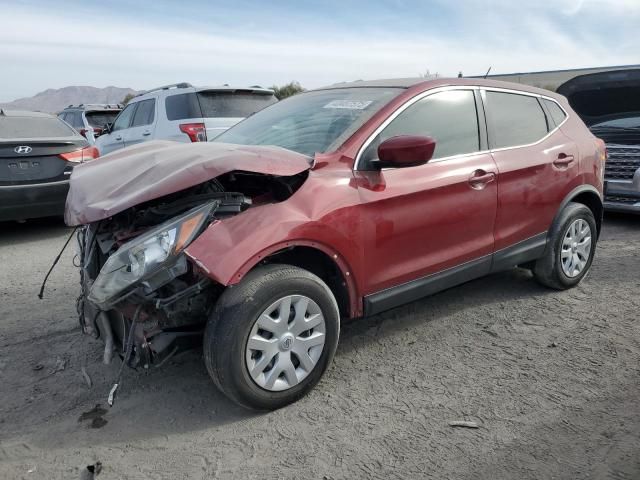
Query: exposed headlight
x,y
148,254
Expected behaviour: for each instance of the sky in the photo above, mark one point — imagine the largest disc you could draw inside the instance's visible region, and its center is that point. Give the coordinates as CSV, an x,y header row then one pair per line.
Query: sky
x,y
147,43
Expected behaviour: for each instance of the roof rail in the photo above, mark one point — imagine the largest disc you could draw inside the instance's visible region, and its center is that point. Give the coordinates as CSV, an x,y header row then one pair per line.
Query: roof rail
x,y
166,87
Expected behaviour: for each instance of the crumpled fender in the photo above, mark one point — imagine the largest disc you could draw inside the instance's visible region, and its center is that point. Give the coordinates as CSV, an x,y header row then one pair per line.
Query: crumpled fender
x,y
137,174
229,248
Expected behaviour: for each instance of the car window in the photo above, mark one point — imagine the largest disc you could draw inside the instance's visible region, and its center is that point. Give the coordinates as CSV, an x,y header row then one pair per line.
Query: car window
x,y
311,122
124,119
181,106
33,127
557,114
515,119
235,104
62,116
449,117
100,118
145,113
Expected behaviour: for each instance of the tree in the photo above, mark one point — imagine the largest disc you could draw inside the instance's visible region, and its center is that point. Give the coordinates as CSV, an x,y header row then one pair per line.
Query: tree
x,y
127,98
284,91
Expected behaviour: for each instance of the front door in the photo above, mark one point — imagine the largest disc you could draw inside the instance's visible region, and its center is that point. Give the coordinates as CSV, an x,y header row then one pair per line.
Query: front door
x,y
434,218
113,140
143,123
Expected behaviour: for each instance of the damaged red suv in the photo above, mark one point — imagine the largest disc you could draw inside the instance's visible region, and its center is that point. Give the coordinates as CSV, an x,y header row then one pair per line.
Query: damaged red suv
x,y
336,203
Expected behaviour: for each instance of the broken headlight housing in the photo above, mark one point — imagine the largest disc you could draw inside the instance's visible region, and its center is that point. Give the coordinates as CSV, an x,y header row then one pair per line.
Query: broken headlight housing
x,y
149,255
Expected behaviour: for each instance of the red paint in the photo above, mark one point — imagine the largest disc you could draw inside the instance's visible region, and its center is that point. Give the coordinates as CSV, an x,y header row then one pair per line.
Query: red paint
x,y
406,151
382,228
392,226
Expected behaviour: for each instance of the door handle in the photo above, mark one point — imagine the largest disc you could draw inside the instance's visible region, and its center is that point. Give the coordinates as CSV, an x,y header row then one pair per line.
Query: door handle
x,y
563,160
146,133
119,137
479,179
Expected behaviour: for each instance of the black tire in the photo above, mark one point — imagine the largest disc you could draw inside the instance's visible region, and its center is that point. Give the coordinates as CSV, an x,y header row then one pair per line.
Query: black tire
x,y
548,269
234,315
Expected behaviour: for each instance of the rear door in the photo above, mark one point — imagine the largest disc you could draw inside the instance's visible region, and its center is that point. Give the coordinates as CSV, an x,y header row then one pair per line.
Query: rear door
x,y
114,140
142,124
536,165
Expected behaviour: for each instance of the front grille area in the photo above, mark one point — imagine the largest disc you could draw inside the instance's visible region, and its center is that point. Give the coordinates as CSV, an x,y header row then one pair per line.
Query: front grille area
x,y
625,200
622,162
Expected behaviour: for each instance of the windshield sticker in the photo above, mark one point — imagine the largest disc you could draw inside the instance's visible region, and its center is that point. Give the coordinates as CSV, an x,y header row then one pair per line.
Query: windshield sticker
x,y
348,104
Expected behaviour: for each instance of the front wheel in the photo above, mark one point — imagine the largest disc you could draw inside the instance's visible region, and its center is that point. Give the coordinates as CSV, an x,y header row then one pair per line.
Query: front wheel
x,y
271,337
570,250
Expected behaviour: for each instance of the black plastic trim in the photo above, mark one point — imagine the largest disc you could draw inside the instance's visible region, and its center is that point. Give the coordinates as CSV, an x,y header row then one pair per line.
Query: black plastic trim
x,y
422,287
522,252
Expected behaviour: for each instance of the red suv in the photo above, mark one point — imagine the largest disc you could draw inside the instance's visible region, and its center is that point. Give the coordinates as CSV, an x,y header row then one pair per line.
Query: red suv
x,y
336,203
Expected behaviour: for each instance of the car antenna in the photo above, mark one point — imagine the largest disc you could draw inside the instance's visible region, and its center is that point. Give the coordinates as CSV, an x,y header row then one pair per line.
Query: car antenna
x,y
487,74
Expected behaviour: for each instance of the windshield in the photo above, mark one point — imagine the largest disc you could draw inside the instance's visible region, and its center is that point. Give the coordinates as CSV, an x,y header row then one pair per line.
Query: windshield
x,y
101,118
313,122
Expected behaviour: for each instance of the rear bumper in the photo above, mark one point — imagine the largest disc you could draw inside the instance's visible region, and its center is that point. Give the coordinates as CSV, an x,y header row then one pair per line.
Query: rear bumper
x,y
20,202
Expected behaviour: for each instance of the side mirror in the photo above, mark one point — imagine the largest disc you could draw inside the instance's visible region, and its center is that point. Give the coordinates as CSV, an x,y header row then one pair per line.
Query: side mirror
x,y
106,129
405,151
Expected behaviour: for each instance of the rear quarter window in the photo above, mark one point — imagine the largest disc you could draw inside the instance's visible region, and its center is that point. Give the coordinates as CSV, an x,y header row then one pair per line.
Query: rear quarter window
x,y
557,114
181,106
33,127
515,119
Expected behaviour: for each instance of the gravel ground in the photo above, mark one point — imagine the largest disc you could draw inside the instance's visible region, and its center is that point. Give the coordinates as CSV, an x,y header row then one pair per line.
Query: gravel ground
x,y
551,378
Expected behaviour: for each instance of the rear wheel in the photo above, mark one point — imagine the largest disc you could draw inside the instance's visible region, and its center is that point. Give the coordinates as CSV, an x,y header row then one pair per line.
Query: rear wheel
x,y
270,338
570,250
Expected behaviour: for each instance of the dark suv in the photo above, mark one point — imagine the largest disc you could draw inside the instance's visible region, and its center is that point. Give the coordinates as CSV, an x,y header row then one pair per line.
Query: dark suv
x,y
609,103
89,120
332,204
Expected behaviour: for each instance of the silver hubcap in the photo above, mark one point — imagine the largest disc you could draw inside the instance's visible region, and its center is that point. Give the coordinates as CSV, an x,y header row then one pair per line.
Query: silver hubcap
x,y
576,247
285,343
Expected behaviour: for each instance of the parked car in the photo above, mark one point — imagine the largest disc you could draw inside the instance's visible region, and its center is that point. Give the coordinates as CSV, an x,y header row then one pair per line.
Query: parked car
x,y
89,120
37,154
183,113
336,203
609,103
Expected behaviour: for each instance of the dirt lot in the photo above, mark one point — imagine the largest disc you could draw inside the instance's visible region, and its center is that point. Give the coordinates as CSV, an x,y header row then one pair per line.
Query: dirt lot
x,y
552,378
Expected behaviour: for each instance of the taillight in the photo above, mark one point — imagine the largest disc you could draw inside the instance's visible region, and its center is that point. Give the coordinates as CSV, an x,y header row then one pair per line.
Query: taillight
x,y
79,156
196,131
83,132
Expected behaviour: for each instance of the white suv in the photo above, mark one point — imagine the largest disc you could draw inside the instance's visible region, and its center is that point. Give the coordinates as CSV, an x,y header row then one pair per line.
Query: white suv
x,y
183,113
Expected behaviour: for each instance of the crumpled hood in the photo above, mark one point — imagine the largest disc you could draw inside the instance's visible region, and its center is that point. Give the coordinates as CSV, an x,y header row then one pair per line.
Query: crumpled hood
x,y
134,175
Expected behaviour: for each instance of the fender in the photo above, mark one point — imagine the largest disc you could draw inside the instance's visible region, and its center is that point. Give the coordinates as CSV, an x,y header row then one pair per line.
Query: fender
x,y
355,300
230,248
582,189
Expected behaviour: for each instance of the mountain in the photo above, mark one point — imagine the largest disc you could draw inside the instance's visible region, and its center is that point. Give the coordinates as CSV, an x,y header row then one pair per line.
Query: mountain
x,y
53,100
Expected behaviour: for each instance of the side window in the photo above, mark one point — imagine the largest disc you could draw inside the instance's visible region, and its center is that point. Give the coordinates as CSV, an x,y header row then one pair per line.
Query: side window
x,y
181,106
124,119
77,120
145,113
557,114
449,117
515,119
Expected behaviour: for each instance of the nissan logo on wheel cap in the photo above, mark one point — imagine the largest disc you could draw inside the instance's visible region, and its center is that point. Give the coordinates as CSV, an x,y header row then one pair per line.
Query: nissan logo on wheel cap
x,y
23,149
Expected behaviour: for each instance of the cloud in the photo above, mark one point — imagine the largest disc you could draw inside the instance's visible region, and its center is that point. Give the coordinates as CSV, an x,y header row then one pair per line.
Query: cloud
x,y
57,47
